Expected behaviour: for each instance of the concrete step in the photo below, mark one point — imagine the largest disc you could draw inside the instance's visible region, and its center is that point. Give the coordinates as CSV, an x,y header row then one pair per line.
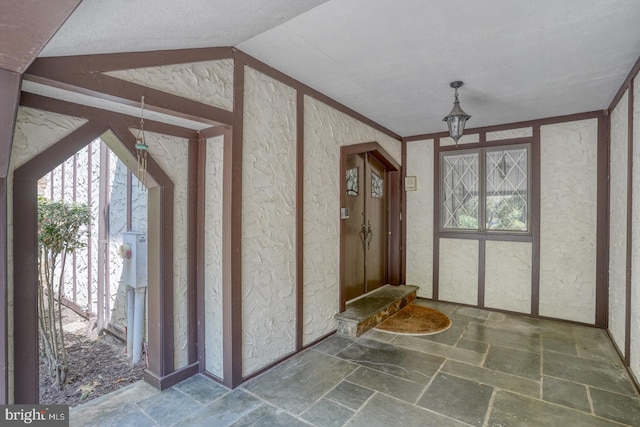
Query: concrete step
x,y
367,311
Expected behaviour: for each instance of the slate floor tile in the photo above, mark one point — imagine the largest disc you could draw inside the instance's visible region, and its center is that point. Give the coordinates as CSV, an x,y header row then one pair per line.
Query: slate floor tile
x,y
298,382
514,362
585,371
350,395
404,363
504,338
617,407
458,398
565,393
437,349
388,384
515,410
326,413
169,407
222,412
201,389
385,411
268,416
494,378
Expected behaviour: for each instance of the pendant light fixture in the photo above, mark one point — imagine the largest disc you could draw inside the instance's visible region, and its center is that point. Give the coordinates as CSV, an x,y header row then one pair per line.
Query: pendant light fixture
x,y
142,149
456,118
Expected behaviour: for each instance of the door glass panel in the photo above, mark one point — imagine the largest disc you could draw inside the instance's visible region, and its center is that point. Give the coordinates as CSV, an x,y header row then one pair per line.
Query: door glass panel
x,y
352,182
377,185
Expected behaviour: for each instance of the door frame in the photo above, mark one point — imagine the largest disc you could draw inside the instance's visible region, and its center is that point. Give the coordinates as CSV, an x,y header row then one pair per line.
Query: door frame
x,y
395,201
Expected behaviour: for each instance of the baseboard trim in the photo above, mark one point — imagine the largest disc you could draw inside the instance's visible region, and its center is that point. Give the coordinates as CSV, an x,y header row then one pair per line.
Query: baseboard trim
x,y
162,383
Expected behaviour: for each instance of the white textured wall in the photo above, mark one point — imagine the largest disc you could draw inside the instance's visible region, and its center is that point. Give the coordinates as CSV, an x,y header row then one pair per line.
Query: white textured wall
x,y
419,217
618,221
568,218
507,277
209,82
635,266
325,130
268,221
509,134
458,275
171,154
213,256
35,131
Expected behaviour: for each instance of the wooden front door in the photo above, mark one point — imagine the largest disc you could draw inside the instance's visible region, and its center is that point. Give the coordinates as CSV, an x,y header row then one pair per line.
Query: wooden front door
x,y
366,237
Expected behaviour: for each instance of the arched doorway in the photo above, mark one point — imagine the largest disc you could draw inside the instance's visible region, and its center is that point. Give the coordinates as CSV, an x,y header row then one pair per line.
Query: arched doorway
x,y
160,243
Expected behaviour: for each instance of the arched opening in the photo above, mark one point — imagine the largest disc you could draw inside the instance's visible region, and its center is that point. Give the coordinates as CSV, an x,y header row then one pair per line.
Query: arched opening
x,y
160,252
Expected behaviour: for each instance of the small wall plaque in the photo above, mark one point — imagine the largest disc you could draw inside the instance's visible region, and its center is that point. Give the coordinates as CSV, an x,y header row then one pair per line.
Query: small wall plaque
x,y
410,183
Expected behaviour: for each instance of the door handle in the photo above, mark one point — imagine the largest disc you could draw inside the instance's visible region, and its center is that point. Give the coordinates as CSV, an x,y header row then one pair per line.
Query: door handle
x,y
363,235
369,235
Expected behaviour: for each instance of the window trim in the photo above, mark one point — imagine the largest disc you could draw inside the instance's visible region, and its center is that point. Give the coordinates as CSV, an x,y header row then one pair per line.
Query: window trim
x,y
482,232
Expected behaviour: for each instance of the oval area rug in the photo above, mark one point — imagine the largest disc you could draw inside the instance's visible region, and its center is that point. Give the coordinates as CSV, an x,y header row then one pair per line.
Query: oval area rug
x,y
415,320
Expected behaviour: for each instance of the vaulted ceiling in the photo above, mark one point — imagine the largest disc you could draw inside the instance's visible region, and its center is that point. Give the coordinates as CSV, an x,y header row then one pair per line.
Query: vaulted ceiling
x,y
390,61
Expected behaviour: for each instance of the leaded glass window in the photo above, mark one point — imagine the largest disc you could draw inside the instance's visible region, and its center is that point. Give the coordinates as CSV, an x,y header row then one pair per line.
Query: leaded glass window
x,y
507,190
485,189
460,191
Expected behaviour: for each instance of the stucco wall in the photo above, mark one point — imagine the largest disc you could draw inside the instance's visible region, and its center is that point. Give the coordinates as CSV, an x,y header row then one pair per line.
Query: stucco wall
x,y
419,217
35,131
508,276
618,221
509,134
325,130
213,255
209,82
458,276
268,221
568,217
171,154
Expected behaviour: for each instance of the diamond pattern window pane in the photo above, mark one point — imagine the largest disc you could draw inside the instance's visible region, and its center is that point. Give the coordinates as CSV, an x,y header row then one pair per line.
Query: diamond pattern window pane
x,y
460,191
507,190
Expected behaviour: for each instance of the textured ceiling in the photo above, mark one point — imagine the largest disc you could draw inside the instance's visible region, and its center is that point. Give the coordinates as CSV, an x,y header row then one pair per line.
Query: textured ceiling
x,y
393,61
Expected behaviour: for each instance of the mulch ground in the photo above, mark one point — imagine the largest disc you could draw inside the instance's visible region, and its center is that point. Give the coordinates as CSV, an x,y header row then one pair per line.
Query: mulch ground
x,y
97,365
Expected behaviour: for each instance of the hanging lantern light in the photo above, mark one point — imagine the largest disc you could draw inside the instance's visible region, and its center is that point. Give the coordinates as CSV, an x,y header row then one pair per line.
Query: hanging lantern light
x,y
142,148
456,118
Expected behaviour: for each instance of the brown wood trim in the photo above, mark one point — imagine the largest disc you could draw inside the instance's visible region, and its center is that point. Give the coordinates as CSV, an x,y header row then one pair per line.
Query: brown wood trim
x,y
485,144
482,254
299,245
403,215
212,132
101,63
160,261
627,83
508,126
101,116
495,236
535,221
201,189
193,238
312,93
435,293
374,148
25,337
394,244
10,89
629,248
232,237
602,228
172,378
102,86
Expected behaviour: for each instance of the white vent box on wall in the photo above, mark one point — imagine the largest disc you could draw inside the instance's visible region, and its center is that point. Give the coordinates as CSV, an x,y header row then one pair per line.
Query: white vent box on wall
x,y
134,255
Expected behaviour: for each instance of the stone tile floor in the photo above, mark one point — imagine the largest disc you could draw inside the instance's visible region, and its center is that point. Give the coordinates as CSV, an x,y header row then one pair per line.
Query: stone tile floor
x,y
488,369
